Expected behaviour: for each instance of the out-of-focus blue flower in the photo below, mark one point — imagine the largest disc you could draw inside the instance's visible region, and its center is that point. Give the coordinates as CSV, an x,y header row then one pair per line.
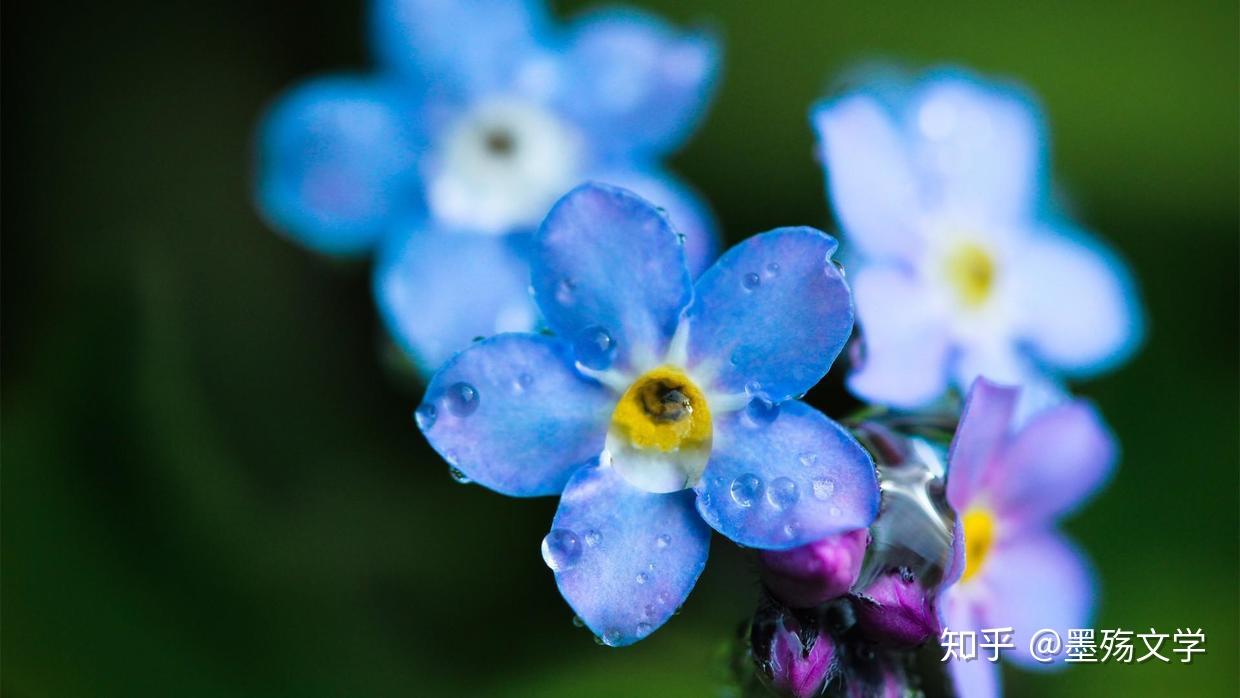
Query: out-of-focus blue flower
x,y
482,113
962,271
1008,486
661,408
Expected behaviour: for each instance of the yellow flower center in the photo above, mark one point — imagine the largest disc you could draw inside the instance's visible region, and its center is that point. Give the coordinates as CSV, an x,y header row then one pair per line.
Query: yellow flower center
x,y
979,537
971,273
663,410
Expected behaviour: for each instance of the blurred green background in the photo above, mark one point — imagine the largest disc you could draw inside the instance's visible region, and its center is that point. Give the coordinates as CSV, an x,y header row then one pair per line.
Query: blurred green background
x,y
212,486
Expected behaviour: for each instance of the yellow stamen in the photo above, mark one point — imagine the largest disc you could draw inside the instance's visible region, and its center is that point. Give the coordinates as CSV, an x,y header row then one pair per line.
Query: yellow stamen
x,y
663,409
979,536
971,272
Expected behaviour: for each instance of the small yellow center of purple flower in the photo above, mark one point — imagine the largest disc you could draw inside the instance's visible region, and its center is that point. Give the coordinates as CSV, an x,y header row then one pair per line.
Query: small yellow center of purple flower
x,y
971,273
979,537
663,410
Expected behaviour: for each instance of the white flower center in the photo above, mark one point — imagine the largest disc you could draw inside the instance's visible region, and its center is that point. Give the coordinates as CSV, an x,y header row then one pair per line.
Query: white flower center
x,y
502,166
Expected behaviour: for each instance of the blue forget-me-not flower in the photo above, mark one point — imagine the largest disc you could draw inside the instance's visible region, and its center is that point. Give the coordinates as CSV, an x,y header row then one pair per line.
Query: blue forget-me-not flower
x,y
962,268
481,115
660,408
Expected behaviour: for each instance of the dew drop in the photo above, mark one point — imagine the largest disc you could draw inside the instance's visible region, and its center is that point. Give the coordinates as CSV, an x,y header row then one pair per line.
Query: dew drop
x,y
459,476
642,578
745,489
462,399
662,541
762,411
611,637
772,269
753,388
425,416
791,529
595,348
565,292
643,629
839,266
561,549
578,622
592,537
808,459
751,281
824,488
782,493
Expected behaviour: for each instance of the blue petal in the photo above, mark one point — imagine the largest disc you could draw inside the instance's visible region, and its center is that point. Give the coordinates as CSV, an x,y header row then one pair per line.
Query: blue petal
x,y
625,559
977,146
871,182
795,479
457,49
686,209
606,258
437,290
771,315
1082,312
905,338
636,82
337,161
511,414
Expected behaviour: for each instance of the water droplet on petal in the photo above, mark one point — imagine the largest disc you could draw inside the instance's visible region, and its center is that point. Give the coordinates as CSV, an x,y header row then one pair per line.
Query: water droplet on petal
x,y
578,622
745,489
561,549
782,493
564,291
593,537
459,476
595,348
753,388
751,281
762,411
642,578
425,416
840,267
462,399
791,529
611,637
662,541
643,629
824,488
772,269
808,459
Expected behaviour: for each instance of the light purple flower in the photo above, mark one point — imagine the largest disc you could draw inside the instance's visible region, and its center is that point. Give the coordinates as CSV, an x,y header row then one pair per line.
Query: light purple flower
x,y
961,269
1008,486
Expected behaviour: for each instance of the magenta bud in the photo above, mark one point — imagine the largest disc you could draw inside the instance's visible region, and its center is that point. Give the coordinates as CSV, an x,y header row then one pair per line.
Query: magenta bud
x,y
794,658
897,611
813,574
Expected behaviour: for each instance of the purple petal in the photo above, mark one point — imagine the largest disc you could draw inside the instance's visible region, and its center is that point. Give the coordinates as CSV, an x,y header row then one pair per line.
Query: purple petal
x,y
1053,464
870,178
786,478
984,425
905,336
607,260
1033,582
624,559
771,315
815,573
512,414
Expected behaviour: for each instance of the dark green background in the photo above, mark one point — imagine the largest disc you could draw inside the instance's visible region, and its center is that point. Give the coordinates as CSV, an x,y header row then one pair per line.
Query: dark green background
x,y
212,485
